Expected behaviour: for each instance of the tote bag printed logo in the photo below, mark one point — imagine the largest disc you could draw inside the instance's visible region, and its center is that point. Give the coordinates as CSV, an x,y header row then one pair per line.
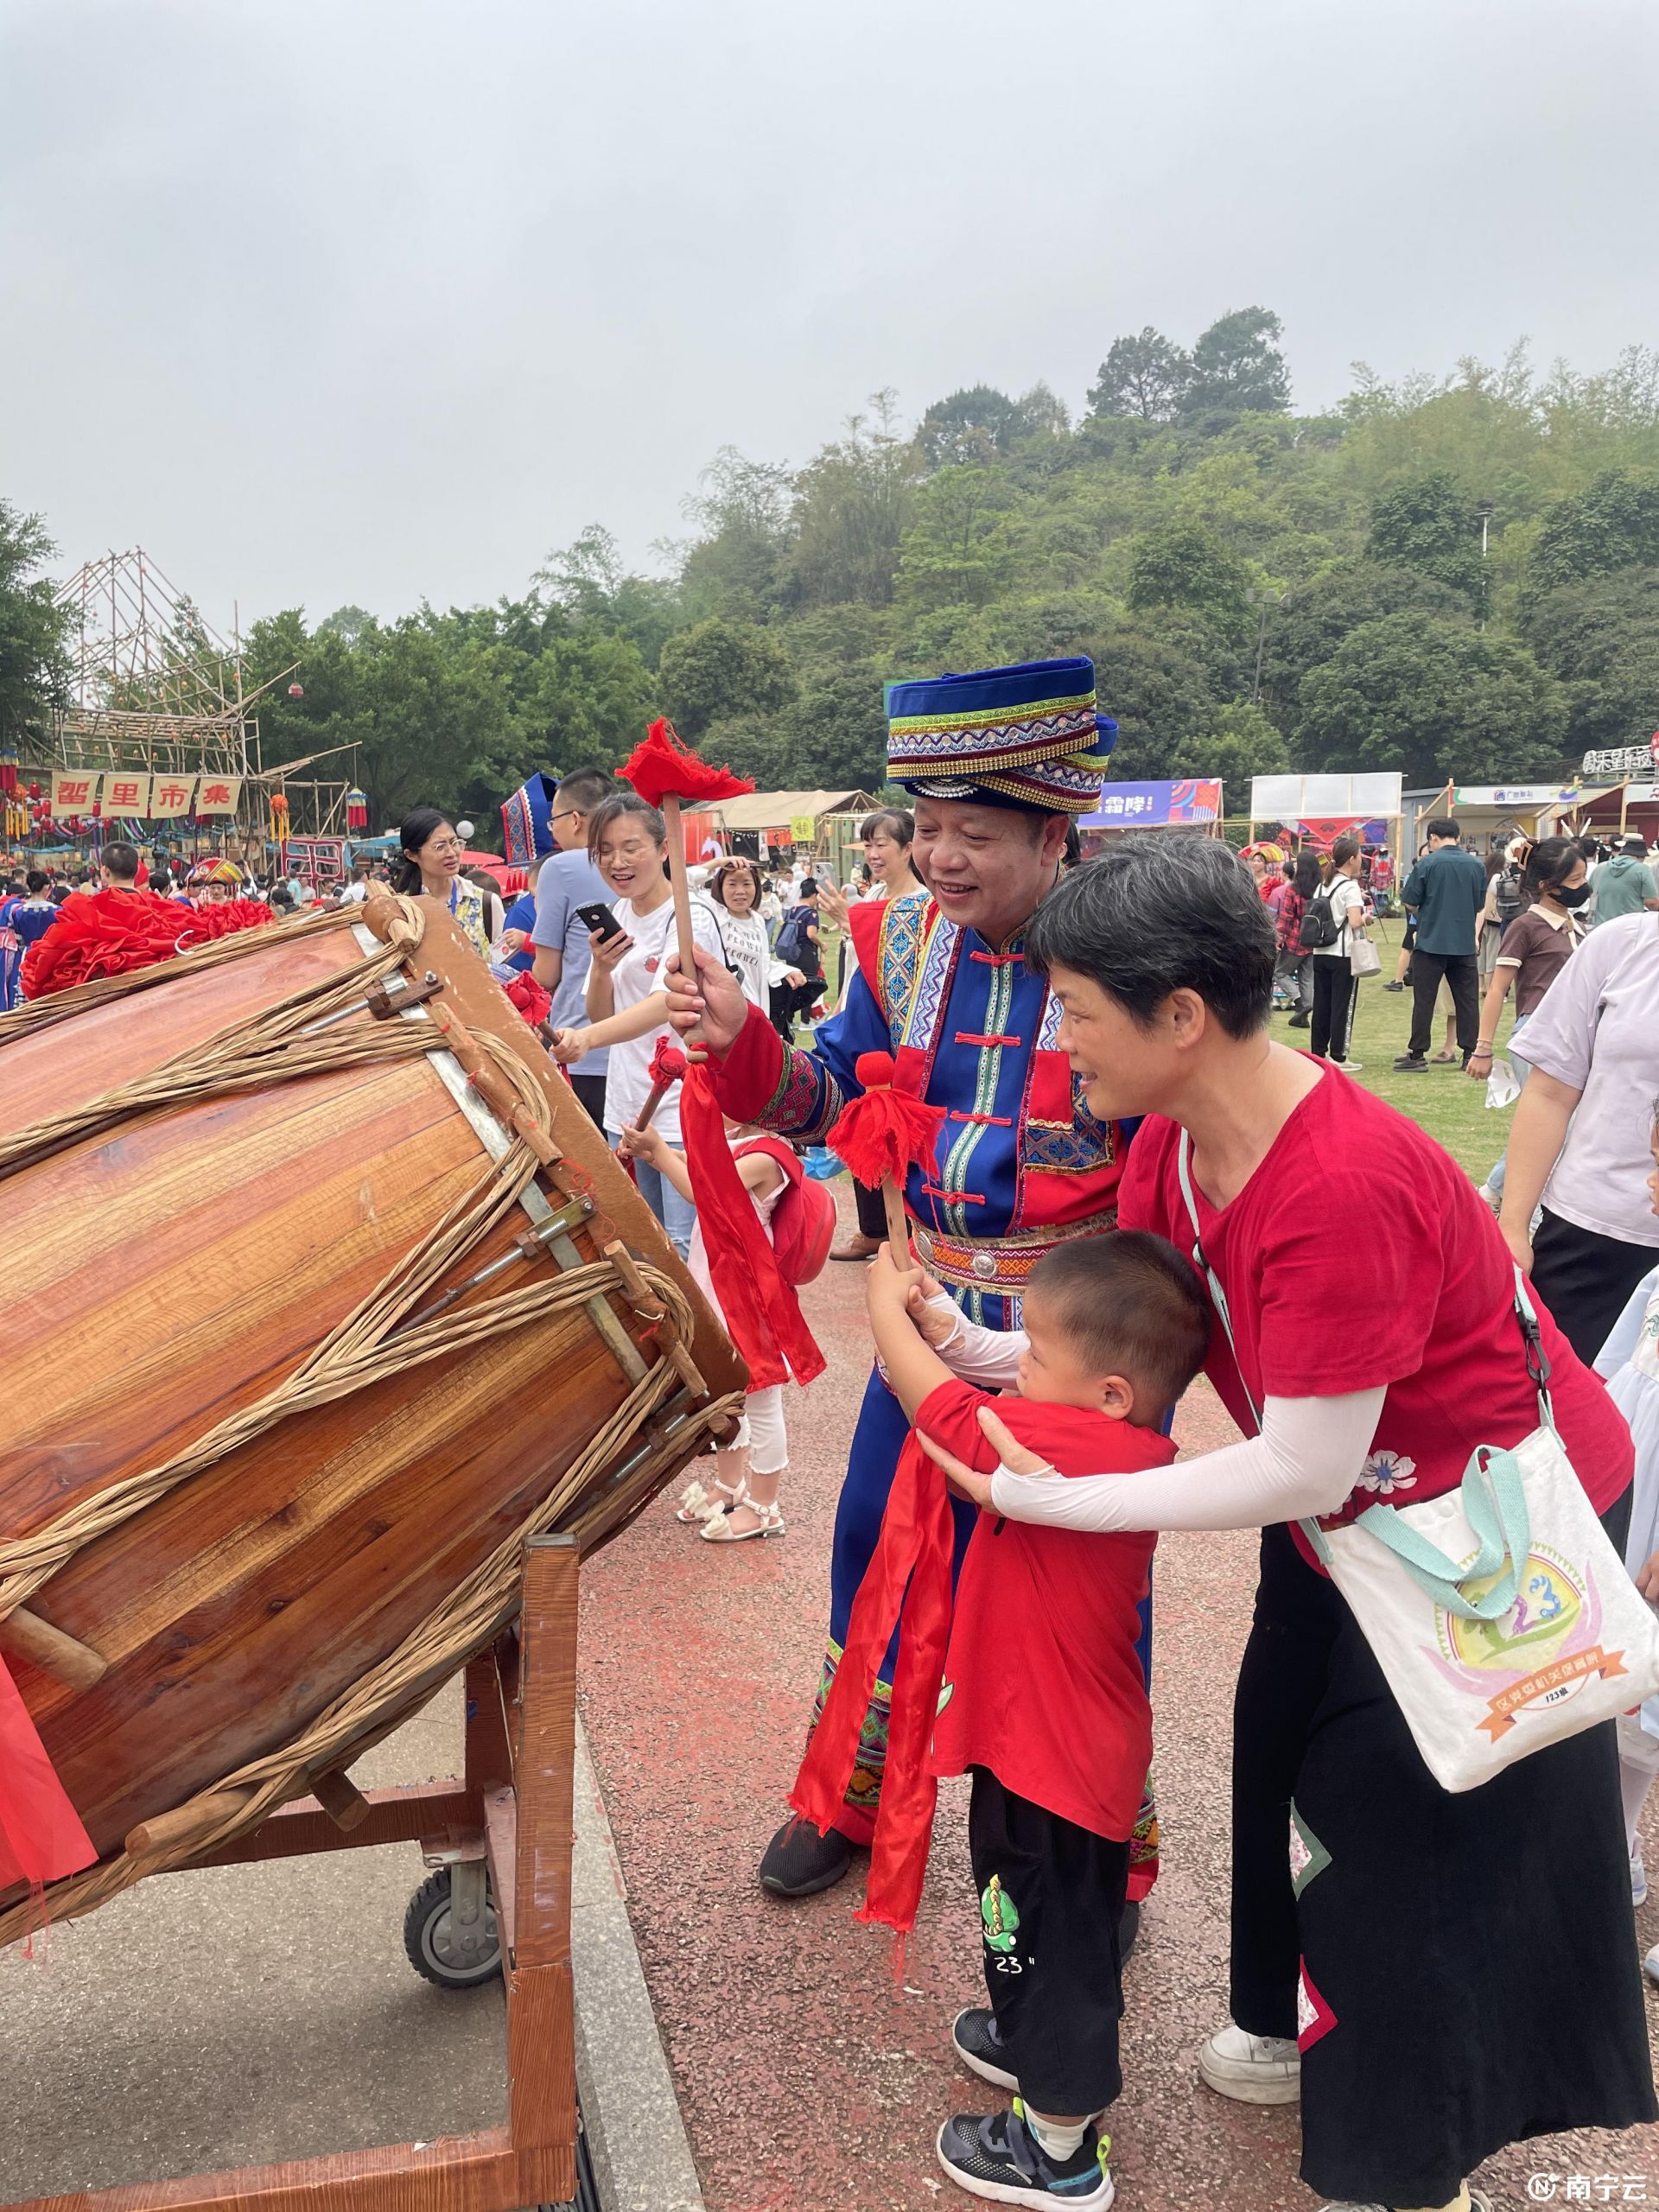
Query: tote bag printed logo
x,y
1548,1644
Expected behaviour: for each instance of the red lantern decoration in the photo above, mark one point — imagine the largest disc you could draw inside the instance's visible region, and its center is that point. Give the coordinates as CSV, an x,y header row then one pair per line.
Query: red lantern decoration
x,y
34,790
296,691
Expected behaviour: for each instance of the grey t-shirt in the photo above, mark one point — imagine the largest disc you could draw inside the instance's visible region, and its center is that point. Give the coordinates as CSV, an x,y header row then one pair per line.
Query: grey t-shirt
x,y
565,881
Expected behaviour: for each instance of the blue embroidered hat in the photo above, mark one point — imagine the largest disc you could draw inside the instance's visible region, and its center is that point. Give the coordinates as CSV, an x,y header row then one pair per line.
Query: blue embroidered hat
x,y
526,818
1028,735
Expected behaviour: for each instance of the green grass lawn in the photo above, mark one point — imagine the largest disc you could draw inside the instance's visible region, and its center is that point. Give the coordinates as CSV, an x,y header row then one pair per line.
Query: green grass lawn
x,y
1443,1101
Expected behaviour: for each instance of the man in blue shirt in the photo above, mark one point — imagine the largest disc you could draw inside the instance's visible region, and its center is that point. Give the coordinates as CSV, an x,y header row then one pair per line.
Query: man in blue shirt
x,y
562,952
1447,891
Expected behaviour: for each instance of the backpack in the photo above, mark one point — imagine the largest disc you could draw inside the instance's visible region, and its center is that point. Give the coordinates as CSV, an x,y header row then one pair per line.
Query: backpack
x,y
794,948
1507,898
804,1219
1319,928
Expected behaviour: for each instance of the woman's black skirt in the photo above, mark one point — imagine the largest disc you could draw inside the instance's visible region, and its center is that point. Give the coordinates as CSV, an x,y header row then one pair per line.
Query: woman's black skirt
x,y
1461,1971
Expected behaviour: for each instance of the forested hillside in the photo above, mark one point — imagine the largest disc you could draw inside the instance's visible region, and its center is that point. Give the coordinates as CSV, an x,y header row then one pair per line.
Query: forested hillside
x,y
1259,588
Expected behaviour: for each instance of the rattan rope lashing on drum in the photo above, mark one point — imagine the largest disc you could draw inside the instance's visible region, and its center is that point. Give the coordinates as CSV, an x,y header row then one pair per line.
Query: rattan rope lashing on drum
x,y
467,1620
366,1347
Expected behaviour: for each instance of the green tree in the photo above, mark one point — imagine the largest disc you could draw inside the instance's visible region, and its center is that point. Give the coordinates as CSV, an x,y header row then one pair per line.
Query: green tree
x,y
1145,376
34,632
1612,523
1187,564
736,567
1239,742
970,426
852,503
716,669
1433,699
1601,639
1309,623
1237,369
1427,525
962,544
1158,693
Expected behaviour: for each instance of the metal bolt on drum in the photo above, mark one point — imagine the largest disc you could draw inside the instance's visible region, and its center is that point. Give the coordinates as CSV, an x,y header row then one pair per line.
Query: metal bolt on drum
x,y
449,1930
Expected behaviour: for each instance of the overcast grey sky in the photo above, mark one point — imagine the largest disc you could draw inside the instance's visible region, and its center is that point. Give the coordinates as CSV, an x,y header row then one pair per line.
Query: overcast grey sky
x,y
367,301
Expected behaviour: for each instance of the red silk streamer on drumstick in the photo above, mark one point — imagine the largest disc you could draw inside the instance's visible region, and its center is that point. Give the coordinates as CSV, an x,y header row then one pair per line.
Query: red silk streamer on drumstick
x,y
882,1136
663,772
530,997
907,1581
41,1839
761,1310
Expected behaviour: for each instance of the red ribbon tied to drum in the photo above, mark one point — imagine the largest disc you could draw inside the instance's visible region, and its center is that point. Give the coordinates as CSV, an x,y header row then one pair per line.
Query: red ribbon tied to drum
x,y
885,1133
663,766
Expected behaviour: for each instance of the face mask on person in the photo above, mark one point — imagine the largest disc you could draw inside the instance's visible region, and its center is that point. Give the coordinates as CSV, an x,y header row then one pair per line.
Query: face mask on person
x,y
1571,899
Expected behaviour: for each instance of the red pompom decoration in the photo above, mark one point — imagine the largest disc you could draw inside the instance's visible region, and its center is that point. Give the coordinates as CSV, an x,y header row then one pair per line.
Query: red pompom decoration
x,y
110,933
662,767
667,1064
885,1133
531,1001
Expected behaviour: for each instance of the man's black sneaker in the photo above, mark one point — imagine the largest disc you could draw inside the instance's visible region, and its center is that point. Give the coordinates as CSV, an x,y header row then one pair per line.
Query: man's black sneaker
x,y
980,2047
1411,1064
1394,987
800,1860
1300,1020
1001,2161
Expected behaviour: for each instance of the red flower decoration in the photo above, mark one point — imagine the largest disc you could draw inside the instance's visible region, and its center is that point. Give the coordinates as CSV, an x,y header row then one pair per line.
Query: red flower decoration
x,y
667,1064
662,767
887,1132
531,999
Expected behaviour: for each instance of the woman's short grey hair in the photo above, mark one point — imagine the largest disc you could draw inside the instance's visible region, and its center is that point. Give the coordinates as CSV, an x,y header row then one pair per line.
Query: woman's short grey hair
x,y
1160,913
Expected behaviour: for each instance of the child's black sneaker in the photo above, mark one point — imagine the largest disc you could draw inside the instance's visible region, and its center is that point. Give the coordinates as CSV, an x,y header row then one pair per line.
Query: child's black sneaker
x,y
980,2048
1000,2160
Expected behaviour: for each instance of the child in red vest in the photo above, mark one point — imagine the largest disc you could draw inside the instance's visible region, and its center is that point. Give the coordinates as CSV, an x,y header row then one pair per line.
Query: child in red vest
x,y
742,1502
1043,1701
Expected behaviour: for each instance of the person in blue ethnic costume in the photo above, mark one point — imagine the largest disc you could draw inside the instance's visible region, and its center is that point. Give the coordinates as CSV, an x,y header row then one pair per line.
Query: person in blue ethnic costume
x,y
997,764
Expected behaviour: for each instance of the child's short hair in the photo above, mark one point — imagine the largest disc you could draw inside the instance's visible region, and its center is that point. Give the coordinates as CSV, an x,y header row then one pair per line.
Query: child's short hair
x,y
1132,1306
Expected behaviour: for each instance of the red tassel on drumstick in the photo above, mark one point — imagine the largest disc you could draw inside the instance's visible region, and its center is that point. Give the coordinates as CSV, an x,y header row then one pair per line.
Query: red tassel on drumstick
x,y
882,1136
663,772
667,1068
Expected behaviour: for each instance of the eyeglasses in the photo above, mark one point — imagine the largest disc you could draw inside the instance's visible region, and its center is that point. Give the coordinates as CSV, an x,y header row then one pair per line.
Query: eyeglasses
x,y
625,852
565,814
442,845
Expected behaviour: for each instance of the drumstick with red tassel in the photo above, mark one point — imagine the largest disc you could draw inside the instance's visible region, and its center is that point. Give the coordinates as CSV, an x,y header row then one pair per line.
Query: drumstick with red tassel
x,y
667,1068
664,772
882,1136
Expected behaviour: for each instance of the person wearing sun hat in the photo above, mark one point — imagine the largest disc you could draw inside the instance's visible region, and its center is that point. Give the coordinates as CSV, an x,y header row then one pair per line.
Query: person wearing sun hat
x,y
998,765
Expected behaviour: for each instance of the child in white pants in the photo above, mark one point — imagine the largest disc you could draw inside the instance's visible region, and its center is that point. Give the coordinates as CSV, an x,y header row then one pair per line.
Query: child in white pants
x,y
1629,1361
742,1500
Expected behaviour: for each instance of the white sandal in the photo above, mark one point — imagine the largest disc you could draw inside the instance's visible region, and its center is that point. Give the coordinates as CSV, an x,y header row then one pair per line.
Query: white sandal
x,y
716,1501
720,1531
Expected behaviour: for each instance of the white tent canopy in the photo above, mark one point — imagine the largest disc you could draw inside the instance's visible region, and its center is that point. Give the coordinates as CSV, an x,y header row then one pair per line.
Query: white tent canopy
x,y
1295,798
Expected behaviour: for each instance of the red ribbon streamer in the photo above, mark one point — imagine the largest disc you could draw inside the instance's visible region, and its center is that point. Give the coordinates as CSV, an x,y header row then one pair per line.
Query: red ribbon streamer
x,y
908,1578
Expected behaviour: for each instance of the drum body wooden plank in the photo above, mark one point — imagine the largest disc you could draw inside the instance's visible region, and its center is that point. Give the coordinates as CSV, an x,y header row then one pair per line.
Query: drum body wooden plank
x,y
181,1266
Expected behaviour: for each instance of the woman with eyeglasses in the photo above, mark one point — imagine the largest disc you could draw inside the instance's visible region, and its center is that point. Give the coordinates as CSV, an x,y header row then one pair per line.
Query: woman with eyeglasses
x,y
627,1008
428,867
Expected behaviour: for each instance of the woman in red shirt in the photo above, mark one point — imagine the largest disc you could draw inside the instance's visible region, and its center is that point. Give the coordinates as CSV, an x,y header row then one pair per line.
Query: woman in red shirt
x,y
1388,1971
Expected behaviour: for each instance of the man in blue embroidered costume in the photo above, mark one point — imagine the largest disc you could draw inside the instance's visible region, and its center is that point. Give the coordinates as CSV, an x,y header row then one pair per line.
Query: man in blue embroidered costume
x,y
997,765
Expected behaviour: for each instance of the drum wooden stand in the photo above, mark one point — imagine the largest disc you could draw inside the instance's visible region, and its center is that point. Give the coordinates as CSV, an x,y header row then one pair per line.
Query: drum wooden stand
x,y
510,1813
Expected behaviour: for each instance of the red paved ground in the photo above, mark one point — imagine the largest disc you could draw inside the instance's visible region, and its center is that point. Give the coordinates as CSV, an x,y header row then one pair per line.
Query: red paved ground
x,y
812,2079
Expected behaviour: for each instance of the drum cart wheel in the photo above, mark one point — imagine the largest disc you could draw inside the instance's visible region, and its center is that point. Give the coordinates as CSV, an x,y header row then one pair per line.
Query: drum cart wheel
x,y
449,1930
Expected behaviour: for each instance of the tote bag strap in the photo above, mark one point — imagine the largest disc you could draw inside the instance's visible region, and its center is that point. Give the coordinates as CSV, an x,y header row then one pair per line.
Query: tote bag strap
x,y
1218,1295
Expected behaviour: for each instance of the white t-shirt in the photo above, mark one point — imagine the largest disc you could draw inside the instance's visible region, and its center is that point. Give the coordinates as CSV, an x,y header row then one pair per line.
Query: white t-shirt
x,y
1347,907
635,976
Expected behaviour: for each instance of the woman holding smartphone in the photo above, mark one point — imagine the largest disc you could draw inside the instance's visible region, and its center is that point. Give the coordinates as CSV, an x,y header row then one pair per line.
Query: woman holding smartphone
x,y
626,1004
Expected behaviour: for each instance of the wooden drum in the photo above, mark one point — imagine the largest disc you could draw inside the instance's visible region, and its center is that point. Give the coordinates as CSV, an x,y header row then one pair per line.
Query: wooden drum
x,y
327,1296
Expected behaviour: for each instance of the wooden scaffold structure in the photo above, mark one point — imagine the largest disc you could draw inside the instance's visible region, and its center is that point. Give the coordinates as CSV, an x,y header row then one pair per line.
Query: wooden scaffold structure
x,y
157,699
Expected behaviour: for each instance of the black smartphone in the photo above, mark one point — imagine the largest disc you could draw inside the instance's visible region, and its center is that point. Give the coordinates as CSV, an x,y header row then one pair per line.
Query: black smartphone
x,y
599,918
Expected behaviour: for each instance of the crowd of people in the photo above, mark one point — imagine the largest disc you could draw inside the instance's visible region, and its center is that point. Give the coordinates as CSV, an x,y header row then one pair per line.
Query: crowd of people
x,y
1134,1182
